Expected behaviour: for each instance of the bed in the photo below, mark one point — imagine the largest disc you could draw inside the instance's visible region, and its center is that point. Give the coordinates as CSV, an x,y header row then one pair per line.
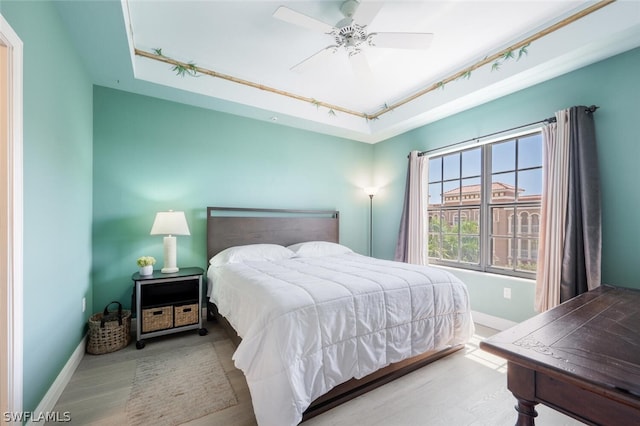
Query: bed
x,y
315,323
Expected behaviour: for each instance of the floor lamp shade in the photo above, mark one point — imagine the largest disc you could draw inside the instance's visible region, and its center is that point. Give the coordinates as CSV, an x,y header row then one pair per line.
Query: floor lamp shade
x,y
371,191
170,224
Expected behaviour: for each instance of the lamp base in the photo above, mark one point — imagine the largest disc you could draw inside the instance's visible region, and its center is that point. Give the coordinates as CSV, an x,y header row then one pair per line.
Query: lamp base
x,y
170,265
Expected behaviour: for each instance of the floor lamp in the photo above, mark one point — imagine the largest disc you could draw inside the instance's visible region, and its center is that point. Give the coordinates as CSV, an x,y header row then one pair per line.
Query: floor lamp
x,y
371,191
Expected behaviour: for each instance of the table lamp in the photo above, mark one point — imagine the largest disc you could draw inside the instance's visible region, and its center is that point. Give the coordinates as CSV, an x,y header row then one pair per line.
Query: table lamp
x,y
169,224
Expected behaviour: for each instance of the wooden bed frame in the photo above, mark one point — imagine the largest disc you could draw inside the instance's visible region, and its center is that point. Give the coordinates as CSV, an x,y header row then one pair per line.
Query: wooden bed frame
x,y
228,227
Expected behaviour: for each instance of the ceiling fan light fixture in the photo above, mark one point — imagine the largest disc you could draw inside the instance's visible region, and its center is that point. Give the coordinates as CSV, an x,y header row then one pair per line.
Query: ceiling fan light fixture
x,y
349,7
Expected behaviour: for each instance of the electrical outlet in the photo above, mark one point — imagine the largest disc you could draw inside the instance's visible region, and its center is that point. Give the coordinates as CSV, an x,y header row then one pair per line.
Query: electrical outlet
x,y
84,304
506,292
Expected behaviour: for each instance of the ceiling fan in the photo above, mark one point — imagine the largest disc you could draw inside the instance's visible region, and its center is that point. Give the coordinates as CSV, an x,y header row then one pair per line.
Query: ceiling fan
x,y
351,35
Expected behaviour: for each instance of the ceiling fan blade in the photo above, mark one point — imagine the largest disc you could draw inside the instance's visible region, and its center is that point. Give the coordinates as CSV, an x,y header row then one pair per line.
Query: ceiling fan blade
x,y
291,16
361,69
366,12
315,59
401,40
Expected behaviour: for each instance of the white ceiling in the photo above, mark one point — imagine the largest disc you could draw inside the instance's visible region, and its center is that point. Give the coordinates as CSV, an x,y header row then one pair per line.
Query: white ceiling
x,y
242,40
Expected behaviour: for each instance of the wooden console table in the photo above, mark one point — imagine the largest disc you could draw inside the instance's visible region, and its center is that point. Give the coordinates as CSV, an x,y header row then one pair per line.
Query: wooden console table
x,y
581,358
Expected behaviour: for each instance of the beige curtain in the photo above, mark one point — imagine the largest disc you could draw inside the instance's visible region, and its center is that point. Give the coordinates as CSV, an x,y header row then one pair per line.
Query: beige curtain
x,y
555,166
412,238
570,250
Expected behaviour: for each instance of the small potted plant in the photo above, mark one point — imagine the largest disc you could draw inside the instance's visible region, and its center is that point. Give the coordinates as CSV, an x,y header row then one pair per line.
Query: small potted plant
x,y
146,264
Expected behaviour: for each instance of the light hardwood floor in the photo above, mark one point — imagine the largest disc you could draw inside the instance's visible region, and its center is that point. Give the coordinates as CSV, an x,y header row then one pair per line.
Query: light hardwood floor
x,y
466,388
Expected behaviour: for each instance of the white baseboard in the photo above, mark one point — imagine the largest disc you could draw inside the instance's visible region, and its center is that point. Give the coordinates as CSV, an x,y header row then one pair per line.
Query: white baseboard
x,y
490,321
64,377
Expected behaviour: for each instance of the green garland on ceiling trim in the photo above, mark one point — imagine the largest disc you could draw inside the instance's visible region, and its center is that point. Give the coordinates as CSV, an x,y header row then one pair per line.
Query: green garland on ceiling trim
x,y
496,60
499,57
181,69
509,55
191,69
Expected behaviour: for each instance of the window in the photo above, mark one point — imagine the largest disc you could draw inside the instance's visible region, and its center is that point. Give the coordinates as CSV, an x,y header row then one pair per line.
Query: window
x,y
484,206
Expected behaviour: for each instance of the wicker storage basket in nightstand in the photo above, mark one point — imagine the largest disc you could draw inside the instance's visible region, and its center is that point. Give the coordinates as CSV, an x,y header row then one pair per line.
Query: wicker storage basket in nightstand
x,y
185,315
157,318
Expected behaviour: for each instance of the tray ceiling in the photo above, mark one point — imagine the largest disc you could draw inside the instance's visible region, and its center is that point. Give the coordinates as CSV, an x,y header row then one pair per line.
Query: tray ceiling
x,y
243,56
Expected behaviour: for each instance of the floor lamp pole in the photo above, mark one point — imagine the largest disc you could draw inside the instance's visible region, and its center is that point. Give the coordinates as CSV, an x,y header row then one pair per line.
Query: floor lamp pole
x,y
371,191
370,224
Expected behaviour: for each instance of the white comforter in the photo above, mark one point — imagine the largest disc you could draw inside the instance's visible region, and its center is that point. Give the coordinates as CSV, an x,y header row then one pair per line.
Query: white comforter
x,y
309,324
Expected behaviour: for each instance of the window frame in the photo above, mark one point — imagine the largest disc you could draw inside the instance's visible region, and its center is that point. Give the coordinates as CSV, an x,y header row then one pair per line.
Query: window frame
x,y
487,210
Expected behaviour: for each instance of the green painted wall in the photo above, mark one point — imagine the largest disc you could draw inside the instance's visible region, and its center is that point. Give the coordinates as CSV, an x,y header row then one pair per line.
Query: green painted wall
x,y
613,85
58,136
152,155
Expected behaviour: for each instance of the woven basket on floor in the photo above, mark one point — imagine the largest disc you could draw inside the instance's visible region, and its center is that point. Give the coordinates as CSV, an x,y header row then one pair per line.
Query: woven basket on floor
x,y
109,331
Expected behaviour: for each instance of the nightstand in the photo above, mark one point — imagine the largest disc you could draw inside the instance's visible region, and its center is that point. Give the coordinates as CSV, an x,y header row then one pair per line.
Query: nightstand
x,y
168,303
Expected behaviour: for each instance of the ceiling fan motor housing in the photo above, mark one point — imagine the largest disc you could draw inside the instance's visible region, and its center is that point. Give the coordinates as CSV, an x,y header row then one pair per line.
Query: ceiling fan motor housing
x,y
351,36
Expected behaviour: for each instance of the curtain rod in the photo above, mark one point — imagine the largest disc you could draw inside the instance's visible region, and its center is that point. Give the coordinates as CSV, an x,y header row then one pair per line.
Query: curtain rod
x,y
589,110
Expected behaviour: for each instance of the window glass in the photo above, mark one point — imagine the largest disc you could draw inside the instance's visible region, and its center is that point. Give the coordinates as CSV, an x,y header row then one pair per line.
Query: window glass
x,y
501,252
451,166
529,221
469,219
503,187
471,162
530,151
503,156
471,191
451,192
450,246
503,221
470,249
435,169
435,249
530,183
435,194
523,223
527,255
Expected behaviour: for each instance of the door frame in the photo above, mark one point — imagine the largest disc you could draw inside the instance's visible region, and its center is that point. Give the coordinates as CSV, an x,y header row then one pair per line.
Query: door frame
x,y
11,227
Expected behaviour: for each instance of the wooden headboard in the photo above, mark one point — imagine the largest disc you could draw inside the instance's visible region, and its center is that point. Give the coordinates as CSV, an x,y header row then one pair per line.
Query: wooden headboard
x,y
228,227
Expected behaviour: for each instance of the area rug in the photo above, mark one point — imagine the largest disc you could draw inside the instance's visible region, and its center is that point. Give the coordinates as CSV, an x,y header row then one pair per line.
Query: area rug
x,y
178,386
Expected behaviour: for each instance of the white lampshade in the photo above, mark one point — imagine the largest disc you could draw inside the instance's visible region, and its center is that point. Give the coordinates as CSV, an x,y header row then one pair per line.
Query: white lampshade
x,y
170,223
371,190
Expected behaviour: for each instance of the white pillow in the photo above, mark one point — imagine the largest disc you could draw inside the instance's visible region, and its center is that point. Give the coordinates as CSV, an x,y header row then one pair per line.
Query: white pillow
x,y
318,248
251,252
